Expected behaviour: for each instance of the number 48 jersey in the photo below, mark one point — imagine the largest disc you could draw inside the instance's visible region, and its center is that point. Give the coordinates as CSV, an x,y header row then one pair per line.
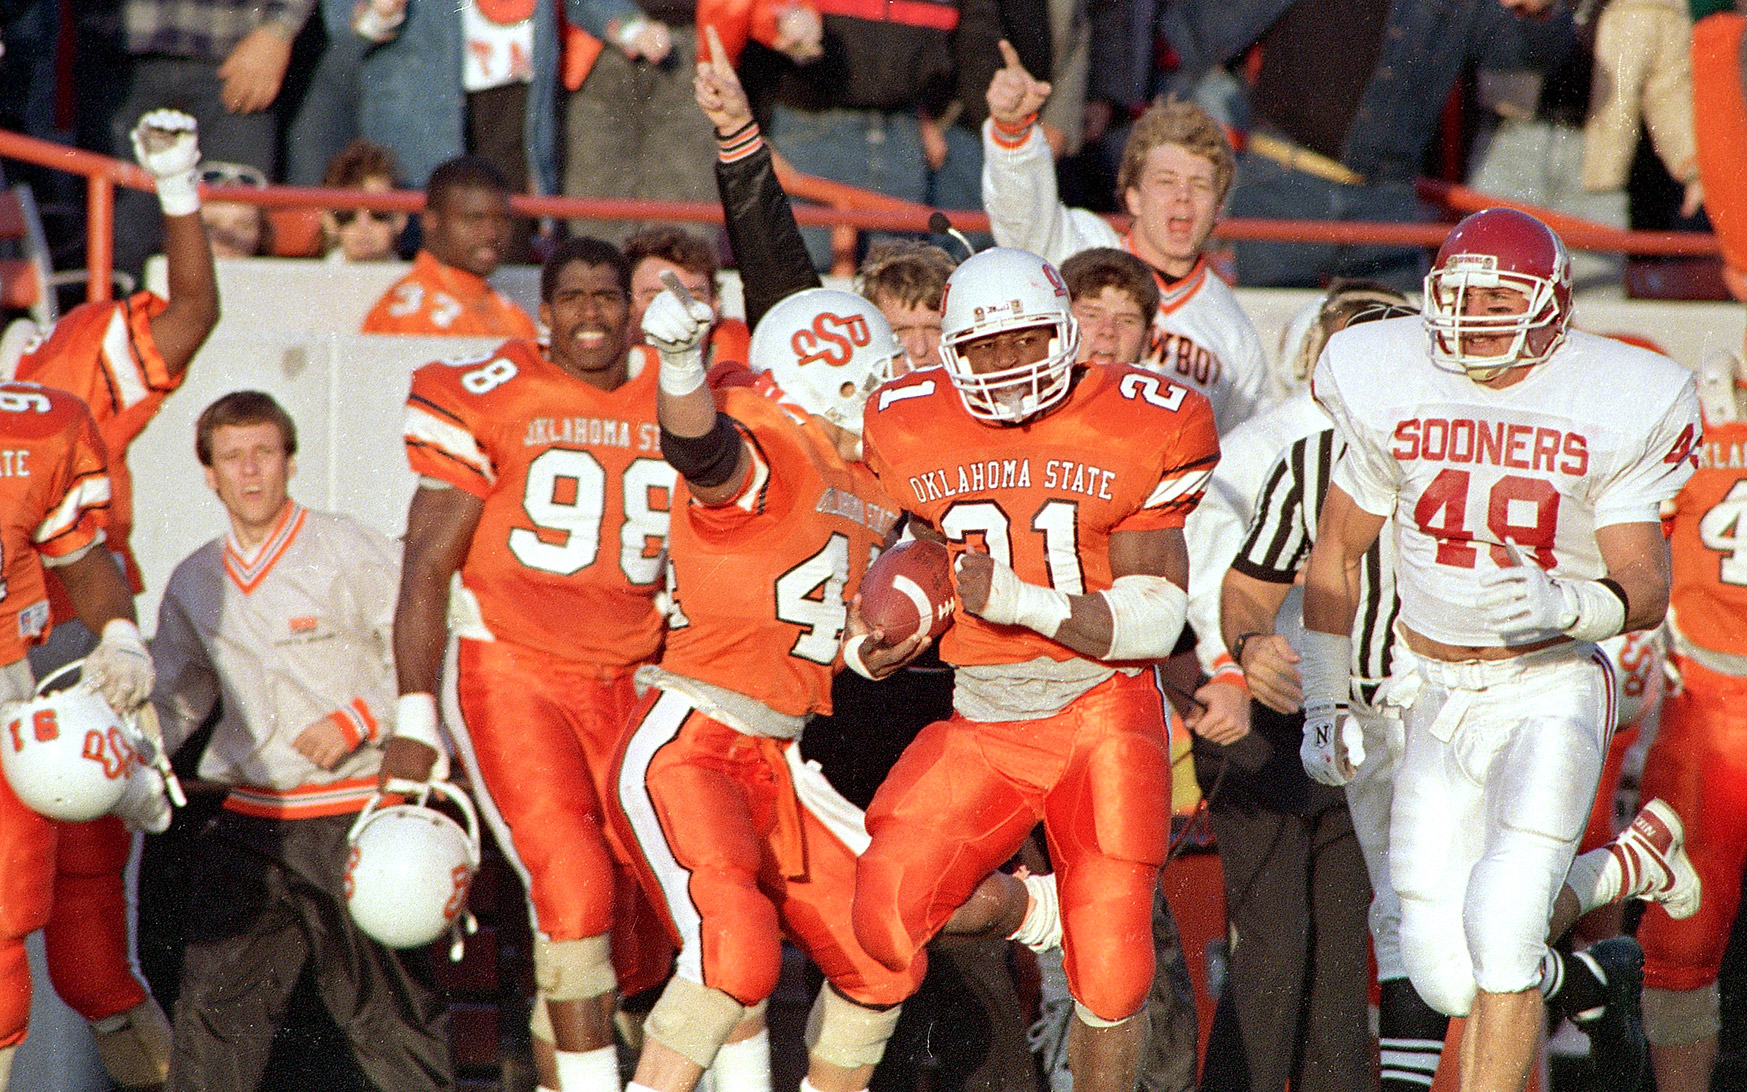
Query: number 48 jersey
x,y
567,557
1601,433
1127,451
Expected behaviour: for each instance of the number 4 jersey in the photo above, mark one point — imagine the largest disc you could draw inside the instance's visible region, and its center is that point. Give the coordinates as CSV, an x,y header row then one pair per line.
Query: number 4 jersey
x,y
1127,451
567,557
1601,433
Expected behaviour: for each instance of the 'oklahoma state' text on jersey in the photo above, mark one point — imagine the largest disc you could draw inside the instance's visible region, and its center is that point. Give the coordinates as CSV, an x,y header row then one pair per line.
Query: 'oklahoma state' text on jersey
x,y
567,554
1127,451
105,354
53,485
1709,539
762,582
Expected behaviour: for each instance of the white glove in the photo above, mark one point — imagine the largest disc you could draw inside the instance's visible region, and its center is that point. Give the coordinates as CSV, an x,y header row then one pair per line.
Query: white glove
x,y
166,143
119,667
1334,744
145,802
677,329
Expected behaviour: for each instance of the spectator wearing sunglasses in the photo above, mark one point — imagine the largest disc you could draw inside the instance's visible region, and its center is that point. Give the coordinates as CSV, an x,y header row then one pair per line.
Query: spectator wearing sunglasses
x,y
237,229
362,235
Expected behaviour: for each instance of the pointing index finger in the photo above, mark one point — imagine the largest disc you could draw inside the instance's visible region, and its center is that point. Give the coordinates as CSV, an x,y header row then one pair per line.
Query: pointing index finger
x,y
1010,56
718,54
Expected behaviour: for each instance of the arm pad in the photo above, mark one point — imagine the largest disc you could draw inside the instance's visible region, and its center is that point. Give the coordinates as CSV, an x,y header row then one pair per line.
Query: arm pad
x,y
1146,617
707,460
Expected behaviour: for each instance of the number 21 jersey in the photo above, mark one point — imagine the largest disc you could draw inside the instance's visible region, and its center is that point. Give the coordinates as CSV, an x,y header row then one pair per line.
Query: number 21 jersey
x,y
567,557
1126,451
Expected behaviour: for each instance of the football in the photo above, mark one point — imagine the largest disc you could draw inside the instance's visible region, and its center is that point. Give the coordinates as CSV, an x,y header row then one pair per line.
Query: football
x,y
908,590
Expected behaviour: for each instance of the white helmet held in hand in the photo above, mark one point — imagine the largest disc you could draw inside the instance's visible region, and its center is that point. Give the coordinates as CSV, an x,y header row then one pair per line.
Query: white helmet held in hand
x,y
1002,289
410,865
827,349
66,753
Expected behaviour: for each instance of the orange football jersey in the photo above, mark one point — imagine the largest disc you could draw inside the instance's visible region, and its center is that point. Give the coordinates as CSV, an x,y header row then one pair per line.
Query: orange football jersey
x,y
53,484
1709,595
567,554
761,584
434,298
1127,451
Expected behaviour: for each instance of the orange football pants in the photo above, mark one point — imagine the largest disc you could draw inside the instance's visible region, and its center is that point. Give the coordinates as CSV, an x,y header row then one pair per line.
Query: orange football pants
x,y
738,861
965,794
541,733
1698,764
65,878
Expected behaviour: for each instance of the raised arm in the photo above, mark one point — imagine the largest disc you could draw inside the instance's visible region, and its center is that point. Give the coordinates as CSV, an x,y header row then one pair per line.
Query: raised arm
x,y
761,224
166,143
703,445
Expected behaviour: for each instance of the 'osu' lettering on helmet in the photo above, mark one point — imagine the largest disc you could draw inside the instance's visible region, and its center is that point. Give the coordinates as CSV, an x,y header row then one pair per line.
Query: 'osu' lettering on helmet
x,y
832,338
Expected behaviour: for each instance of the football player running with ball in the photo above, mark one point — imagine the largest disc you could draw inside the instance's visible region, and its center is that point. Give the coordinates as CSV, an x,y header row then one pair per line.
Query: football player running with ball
x,y
1067,537
1521,465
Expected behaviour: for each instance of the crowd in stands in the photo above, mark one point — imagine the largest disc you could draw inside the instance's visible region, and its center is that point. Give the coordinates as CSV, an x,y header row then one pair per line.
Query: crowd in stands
x,y
597,678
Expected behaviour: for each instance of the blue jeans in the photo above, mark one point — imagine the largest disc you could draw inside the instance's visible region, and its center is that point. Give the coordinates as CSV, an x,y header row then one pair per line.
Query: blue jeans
x,y
1268,190
872,149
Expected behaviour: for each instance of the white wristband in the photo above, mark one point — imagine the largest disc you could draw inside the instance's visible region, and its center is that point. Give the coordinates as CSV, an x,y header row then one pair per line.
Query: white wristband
x,y
120,629
852,657
178,194
1601,613
415,718
1326,665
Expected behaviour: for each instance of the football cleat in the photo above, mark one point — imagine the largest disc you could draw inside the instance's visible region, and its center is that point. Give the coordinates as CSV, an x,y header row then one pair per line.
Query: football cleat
x,y
1618,1052
1652,857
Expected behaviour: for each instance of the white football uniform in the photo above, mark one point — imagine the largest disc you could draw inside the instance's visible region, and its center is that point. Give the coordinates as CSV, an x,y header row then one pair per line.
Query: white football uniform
x,y
1502,757
1200,338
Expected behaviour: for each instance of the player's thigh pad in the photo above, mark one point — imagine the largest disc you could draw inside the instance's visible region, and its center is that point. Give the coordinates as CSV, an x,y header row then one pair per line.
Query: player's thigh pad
x,y
1114,795
534,781
944,818
698,803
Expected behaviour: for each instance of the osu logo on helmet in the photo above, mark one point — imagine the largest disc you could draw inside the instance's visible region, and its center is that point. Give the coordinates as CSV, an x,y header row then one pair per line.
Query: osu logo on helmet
x,y
832,338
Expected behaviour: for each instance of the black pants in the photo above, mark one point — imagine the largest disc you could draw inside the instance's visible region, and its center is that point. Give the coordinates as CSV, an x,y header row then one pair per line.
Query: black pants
x,y
1296,898
267,902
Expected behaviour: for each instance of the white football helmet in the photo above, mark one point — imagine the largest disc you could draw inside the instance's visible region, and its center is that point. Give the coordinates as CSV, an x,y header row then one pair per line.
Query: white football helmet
x,y
1003,289
1498,248
66,753
1722,388
827,349
410,865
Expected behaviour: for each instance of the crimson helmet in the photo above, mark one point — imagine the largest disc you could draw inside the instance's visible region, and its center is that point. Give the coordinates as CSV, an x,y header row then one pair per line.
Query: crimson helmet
x,y
1498,248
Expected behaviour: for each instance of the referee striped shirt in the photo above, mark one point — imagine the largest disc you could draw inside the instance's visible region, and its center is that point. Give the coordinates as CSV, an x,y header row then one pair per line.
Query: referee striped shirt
x,y
1283,530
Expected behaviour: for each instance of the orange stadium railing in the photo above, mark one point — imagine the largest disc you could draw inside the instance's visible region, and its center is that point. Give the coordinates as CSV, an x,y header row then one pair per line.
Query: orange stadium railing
x,y
846,209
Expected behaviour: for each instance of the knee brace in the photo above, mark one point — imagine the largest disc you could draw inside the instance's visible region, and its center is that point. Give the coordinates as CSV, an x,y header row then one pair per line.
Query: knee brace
x,y
1679,1017
135,1045
846,1035
570,970
693,1020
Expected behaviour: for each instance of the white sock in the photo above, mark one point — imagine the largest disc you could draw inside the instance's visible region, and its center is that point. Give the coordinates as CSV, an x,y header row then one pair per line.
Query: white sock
x,y
744,1066
588,1070
807,1086
1596,878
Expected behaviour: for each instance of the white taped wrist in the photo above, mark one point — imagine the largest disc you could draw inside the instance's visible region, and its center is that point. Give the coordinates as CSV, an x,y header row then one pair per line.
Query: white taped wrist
x,y
122,630
852,657
1146,616
1326,664
179,194
415,718
682,371
1601,613
1013,602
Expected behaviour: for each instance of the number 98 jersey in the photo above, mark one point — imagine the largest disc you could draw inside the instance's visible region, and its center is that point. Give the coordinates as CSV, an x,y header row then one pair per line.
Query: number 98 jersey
x,y
1601,433
567,557
1127,451
53,485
